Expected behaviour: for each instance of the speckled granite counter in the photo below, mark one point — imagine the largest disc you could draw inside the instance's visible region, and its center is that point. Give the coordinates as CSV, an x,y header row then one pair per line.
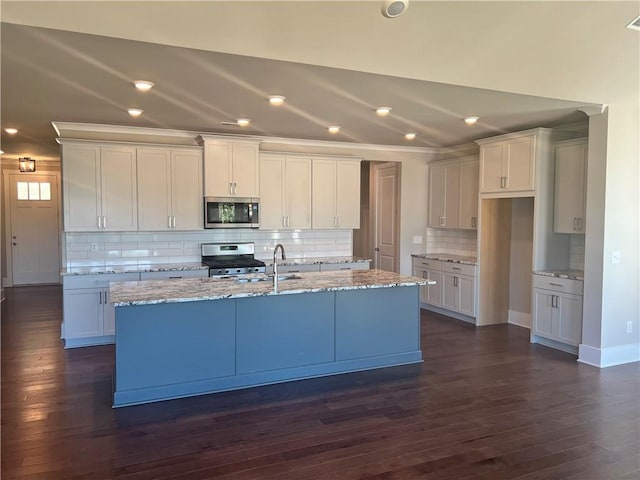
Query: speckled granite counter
x,y
161,267
199,289
447,257
569,274
318,261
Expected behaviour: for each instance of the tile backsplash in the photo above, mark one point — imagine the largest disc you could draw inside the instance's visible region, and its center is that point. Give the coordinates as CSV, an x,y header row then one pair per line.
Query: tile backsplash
x,y
576,252
139,248
456,242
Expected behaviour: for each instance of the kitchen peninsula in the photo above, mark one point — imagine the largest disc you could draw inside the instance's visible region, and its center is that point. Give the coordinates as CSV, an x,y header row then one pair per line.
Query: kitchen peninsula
x,y
193,336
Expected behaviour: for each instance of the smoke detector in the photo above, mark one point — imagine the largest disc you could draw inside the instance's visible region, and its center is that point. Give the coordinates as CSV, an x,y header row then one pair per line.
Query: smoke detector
x,y
394,8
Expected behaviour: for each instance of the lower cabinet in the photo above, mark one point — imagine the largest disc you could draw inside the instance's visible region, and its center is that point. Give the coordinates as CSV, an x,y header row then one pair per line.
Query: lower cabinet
x,y
557,311
455,288
319,267
88,316
174,274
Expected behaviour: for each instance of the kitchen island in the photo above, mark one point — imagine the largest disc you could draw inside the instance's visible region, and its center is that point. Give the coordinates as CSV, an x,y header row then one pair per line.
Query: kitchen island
x,y
184,337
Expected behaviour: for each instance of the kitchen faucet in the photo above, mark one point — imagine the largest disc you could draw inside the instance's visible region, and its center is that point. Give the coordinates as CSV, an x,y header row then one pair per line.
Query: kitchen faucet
x,y
275,264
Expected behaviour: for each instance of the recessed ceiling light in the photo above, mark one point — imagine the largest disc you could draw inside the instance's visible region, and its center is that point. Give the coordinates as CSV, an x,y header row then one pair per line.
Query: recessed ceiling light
x,y
334,129
135,112
11,131
243,122
276,100
383,111
471,120
409,136
393,8
143,85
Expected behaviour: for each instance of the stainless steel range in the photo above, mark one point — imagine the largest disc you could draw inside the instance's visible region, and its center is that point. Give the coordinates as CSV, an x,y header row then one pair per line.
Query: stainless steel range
x,y
231,259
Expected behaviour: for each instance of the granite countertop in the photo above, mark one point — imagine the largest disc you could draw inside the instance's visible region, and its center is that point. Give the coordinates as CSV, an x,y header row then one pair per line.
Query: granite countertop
x,y
160,267
317,260
566,273
447,257
197,289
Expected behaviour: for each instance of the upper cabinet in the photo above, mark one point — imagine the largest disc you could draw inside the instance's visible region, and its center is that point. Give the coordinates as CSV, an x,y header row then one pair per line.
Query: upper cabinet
x,y
570,183
336,193
169,189
453,194
231,167
99,187
508,165
285,185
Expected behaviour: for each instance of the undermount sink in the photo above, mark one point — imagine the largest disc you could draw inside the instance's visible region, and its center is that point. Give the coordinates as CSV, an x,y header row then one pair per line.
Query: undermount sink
x,y
268,278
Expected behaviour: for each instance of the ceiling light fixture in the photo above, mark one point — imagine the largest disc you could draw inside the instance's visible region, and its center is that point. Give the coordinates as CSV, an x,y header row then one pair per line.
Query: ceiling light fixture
x,y
383,111
11,131
409,136
334,129
1,152
635,23
471,120
393,8
143,85
276,100
135,112
243,122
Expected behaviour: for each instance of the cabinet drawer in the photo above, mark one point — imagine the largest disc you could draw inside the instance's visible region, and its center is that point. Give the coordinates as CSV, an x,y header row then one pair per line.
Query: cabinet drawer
x,y
97,280
558,284
175,274
294,268
332,267
428,264
459,268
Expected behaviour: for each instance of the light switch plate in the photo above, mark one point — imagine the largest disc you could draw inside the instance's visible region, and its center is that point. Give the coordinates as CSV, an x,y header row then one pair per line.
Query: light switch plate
x,y
615,257
417,239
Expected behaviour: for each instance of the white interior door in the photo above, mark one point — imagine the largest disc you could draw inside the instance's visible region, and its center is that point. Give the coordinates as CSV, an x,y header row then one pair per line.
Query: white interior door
x,y
386,217
35,249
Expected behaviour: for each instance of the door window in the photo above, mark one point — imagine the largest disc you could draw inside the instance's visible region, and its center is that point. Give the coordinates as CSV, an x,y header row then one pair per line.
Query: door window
x,y
34,191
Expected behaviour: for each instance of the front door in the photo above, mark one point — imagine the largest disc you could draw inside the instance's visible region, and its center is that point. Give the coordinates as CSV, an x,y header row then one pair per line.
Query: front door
x,y
35,249
386,217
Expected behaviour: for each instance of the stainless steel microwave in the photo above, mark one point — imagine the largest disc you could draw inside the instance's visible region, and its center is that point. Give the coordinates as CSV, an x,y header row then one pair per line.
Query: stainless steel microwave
x,y
231,212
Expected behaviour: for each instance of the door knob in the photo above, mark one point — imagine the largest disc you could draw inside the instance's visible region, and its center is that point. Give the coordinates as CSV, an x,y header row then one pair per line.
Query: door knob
x,y
376,249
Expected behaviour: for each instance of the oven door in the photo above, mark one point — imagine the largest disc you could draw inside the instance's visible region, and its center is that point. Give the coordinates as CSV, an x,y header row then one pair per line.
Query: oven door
x,y
231,212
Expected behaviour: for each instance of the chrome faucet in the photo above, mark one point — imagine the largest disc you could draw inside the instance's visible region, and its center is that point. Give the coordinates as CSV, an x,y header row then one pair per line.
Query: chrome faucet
x,y
275,264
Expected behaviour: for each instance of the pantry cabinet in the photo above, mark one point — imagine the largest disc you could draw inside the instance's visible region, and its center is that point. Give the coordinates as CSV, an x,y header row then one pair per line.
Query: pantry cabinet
x,y
285,183
570,186
169,189
508,165
99,187
453,194
231,168
557,310
335,193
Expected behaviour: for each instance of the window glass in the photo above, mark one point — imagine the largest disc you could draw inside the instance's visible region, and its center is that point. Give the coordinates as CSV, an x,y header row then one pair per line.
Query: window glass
x,y
23,191
34,191
45,191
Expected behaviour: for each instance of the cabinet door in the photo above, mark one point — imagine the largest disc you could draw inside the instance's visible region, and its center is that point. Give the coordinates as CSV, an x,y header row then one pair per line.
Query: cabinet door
x,y
245,170
324,193
186,192
434,292
468,196
451,196
543,313
348,194
217,169
520,166
467,291
569,318
83,312
437,178
154,189
491,167
81,187
421,273
450,291
570,189
272,192
119,193
108,315
298,192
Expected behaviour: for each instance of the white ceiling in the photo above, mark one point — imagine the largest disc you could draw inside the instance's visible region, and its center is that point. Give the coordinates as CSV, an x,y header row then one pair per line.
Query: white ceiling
x,y
54,75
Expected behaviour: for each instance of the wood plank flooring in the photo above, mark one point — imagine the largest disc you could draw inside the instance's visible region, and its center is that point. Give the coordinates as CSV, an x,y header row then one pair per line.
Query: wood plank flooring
x,y
485,404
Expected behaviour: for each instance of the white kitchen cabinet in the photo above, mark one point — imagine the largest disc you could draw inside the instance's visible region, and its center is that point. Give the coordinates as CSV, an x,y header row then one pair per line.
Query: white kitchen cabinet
x,y
570,186
285,183
169,189
99,187
453,194
336,193
459,288
557,310
430,270
231,168
508,165
88,316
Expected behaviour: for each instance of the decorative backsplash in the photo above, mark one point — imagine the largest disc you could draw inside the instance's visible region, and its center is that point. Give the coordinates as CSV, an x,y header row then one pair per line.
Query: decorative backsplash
x,y
136,248
455,242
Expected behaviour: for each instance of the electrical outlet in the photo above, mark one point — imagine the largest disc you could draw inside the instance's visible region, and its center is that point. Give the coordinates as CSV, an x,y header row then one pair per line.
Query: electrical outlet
x,y
417,239
94,247
615,257
629,327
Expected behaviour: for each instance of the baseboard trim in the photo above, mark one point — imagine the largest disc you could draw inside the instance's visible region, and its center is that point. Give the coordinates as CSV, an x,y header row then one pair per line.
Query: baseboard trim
x,y
519,318
608,357
449,313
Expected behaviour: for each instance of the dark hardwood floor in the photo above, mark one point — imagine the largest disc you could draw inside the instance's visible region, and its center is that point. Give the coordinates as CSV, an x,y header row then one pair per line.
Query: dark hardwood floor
x,y
485,404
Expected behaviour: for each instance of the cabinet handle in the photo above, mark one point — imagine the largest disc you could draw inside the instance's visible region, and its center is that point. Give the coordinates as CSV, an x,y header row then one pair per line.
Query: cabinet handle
x,y
169,221
230,188
104,222
338,222
174,221
556,284
175,277
501,182
99,222
455,281
425,275
456,268
580,224
235,188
